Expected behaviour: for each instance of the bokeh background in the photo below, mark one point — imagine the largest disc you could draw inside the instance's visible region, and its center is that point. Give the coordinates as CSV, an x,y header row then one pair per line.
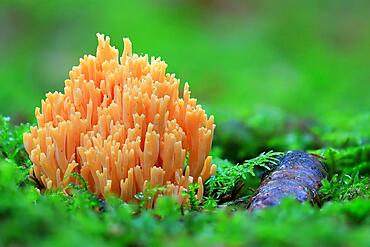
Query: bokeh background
x,y
304,58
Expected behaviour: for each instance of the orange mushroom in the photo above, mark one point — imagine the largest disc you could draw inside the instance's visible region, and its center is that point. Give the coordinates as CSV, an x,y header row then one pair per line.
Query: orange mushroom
x,y
121,125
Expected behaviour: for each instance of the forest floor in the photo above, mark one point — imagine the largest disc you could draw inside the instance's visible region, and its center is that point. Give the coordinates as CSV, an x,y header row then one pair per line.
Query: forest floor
x,y
29,218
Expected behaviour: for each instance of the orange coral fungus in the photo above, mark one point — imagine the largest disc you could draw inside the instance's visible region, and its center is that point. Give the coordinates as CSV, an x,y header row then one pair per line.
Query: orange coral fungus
x,y
121,125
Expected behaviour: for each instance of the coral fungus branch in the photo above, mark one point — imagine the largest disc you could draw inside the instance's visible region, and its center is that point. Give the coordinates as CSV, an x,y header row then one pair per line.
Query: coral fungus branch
x,y
121,124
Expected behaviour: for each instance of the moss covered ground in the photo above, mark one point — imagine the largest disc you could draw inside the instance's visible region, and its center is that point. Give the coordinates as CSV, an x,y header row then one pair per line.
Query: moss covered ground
x,y
29,218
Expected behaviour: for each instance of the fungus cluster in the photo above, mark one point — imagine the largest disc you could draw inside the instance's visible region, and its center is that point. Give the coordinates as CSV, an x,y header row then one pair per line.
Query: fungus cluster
x,y
121,125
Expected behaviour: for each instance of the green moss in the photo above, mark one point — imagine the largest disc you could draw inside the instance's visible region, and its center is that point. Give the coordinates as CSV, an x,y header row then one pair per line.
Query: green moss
x,y
29,218
11,142
230,178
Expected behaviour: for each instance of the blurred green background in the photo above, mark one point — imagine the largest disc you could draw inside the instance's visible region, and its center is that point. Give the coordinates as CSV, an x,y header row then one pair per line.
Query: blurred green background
x,y
308,58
